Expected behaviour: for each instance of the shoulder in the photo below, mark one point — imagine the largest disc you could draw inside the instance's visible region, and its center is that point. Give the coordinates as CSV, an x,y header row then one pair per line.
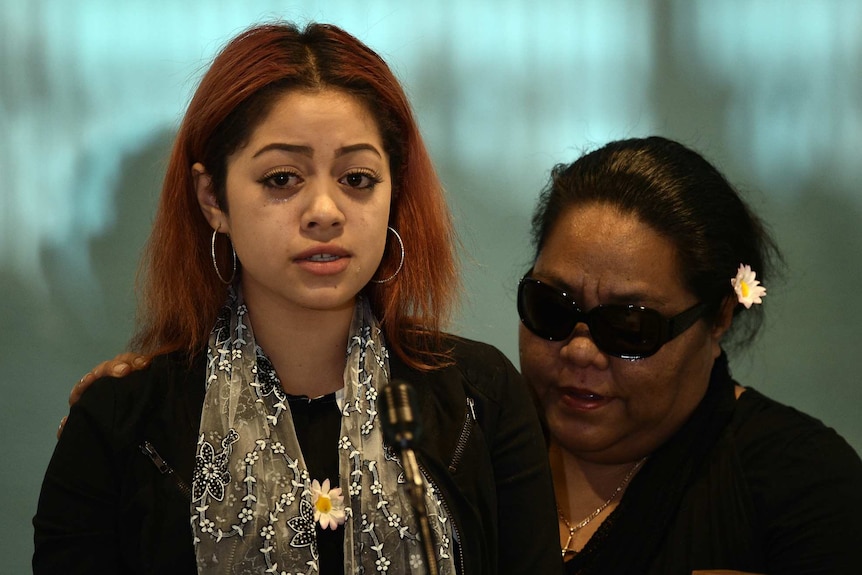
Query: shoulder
x,y
475,356
479,375
768,431
118,404
793,461
164,373
482,367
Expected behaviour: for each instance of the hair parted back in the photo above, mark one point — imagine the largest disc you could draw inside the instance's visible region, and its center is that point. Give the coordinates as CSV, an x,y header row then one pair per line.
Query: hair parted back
x,y
683,197
181,294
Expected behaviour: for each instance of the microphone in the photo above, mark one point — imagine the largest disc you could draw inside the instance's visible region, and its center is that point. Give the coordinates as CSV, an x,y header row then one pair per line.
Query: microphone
x,y
401,428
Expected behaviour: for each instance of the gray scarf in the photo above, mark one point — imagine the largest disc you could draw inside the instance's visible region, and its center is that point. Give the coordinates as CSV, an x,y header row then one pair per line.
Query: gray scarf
x,y
252,498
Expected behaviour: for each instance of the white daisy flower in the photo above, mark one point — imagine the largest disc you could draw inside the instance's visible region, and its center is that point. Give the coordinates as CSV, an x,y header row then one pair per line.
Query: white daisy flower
x,y
748,289
328,504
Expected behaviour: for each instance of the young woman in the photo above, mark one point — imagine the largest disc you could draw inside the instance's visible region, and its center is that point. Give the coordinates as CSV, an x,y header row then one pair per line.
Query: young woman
x,y
301,259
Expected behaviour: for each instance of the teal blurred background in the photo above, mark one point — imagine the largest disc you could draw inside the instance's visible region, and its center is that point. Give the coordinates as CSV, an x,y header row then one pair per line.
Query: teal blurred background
x,y
91,92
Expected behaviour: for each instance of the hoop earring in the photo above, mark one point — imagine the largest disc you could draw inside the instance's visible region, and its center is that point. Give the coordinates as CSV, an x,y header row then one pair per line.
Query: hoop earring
x,y
400,264
215,262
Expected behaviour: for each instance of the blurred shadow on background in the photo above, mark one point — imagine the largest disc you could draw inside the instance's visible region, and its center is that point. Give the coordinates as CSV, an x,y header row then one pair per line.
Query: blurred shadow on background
x,y
813,334
51,338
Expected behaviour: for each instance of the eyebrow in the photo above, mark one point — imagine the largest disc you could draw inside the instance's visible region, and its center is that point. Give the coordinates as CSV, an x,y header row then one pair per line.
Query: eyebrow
x,y
626,296
309,151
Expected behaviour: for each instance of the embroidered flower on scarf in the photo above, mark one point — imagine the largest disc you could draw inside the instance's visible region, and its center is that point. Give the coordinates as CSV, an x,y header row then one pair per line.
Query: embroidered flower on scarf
x,y
210,474
268,532
303,524
245,515
328,504
206,526
267,377
748,289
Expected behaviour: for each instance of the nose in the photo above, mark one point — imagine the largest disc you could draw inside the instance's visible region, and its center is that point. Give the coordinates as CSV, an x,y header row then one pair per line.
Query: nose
x,y
581,351
322,211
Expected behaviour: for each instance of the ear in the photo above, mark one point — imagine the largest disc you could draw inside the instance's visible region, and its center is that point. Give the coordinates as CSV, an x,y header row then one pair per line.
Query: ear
x,y
207,201
722,322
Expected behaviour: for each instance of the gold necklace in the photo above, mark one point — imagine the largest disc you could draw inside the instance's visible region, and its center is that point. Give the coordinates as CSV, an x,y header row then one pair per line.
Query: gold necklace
x,y
583,523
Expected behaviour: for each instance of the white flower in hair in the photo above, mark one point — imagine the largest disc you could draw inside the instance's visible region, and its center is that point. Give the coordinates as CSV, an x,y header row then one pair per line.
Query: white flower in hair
x,y
748,289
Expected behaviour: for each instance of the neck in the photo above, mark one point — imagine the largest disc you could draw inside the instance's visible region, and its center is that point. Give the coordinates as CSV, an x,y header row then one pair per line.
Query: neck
x,y
307,347
581,486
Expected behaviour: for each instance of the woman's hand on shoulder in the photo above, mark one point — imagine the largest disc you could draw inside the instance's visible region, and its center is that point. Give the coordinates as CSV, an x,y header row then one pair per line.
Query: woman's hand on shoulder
x,y
120,366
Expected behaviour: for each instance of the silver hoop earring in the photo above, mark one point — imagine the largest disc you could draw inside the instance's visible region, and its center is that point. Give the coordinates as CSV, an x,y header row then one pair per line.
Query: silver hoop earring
x,y
400,264
215,262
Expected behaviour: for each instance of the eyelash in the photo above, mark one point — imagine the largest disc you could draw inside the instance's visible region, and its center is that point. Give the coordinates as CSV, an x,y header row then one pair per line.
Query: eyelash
x,y
370,174
268,178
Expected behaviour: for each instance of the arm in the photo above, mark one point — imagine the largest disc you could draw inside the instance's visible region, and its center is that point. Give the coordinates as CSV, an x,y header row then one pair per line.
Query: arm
x,y
122,365
806,485
528,538
814,511
75,529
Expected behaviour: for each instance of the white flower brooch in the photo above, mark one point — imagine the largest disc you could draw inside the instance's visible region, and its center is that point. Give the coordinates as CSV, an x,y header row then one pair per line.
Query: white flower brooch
x,y
748,289
328,504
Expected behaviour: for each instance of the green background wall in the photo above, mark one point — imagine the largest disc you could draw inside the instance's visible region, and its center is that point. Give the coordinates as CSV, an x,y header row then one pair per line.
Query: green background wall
x,y
91,93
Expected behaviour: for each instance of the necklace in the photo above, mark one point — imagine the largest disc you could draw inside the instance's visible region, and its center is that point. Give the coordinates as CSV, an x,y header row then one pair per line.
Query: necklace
x,y
584,522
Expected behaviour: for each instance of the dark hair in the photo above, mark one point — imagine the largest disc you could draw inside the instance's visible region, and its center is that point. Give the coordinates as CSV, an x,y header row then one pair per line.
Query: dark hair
x,y
181,293
675,191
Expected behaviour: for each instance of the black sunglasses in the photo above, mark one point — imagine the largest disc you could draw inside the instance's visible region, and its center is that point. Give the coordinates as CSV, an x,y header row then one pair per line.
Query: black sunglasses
x,y
626,331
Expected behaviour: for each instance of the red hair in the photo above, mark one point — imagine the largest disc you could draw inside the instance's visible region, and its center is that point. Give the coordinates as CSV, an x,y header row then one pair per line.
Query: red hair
x,y
181,294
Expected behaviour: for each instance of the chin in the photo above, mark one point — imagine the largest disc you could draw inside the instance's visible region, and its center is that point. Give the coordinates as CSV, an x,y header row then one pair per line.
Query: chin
x,y
333,304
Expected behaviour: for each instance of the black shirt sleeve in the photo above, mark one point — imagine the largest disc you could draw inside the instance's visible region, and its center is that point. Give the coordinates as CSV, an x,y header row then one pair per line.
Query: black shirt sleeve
x,y
806,485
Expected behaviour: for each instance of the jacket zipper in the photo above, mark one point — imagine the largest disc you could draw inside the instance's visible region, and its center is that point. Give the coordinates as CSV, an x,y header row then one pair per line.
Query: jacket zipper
x,y
466,429
165,469
456,536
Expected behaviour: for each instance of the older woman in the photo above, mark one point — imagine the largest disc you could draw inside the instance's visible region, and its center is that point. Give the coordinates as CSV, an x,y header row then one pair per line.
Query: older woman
x,y
647,261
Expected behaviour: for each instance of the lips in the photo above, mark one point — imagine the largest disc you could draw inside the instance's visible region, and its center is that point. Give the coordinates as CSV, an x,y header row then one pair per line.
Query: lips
x,y
322,254
582,399
323,260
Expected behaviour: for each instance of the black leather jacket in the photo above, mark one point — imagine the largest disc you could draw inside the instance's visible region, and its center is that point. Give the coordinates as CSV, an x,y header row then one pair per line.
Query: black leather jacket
x,y
105,508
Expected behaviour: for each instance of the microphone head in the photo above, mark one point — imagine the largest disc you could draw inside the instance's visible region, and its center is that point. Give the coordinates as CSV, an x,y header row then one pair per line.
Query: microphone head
x,y
399,414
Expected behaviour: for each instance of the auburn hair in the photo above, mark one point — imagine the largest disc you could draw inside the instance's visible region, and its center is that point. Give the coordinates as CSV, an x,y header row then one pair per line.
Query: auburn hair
x,y
180,292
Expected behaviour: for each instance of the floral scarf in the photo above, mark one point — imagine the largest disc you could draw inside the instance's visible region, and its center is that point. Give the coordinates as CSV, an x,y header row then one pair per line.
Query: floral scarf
x,y
252,509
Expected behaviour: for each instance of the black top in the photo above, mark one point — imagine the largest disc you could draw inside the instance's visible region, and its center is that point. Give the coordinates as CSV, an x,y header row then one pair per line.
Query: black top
x,y
105,508
749,485
317,423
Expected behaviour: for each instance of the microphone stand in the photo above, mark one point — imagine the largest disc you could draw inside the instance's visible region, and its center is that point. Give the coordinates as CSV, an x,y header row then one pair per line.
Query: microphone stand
x,y
401,429
416,491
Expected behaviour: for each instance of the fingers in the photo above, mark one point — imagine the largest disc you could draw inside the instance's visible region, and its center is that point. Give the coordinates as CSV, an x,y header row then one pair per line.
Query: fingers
x,y
135,360
85,382
120,366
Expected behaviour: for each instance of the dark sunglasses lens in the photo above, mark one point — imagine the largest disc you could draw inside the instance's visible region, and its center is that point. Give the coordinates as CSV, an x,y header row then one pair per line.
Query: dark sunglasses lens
x,y
544,311
626,331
